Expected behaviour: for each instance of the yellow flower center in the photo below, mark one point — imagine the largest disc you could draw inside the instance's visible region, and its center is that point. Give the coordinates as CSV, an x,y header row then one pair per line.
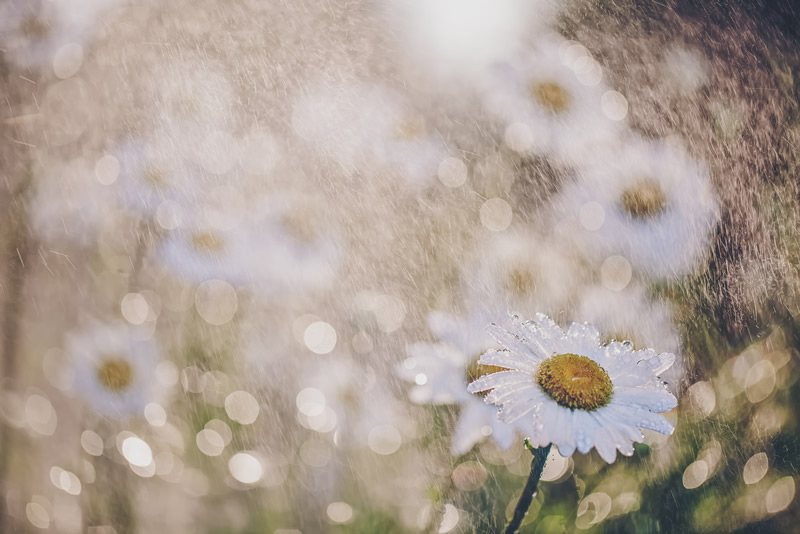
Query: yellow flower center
x,y
410,127
476,370
644,200
574,381
207,242
115,373
301,224
520,281
34,27
154,176
551,96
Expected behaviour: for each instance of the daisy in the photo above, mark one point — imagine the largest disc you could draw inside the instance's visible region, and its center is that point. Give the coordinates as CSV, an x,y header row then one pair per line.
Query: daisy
x,y
297,246
148,176
359,124
440,372
281,245
33,31
630,315
571,391
198,251
519,271
550,101
649,202
114,371
452,40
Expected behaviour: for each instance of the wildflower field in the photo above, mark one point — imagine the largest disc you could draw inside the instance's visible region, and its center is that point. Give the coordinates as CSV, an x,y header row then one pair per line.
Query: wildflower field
x,y
399,266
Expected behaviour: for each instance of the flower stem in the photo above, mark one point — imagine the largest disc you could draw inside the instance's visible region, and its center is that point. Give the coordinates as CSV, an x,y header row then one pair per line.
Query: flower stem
x,y
524,502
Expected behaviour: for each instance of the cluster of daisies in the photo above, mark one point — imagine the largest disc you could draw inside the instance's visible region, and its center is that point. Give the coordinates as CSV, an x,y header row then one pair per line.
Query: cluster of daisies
x,y
630,211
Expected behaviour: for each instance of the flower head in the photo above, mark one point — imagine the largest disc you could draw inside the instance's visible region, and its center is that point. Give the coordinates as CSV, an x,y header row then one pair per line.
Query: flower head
x,y
114,371
650,202
570,390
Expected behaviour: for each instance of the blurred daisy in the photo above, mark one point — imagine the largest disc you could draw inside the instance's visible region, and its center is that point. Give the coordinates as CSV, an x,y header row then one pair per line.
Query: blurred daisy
x,y
571,391
359,124
298,248
517,272
114,371
451,40
197,251
148,176
649,202
440,372
630,315
550,101
33,31
280,244
342,396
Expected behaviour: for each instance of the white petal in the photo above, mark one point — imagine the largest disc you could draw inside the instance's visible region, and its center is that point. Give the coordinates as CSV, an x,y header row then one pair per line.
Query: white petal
x,y
500,379
561,431
585,429
516,344
468,429
509,360
655,400
584,336
641,418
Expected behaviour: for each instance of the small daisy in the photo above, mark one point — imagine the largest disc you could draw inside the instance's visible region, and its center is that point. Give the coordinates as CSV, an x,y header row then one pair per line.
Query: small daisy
x,y
114,371
630,315
517,272
33,31
148,176
198,251
649,202
451,40
550,101
571,391
298,248
359,124
440,372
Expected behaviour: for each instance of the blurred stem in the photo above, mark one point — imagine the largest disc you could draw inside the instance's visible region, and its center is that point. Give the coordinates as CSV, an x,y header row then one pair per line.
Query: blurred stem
x,y
525,500
17,253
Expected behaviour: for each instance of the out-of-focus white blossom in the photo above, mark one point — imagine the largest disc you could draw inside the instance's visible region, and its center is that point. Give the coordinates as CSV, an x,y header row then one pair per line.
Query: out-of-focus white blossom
x,y
548,98
361,125
441,371
114,371
569,390
655,206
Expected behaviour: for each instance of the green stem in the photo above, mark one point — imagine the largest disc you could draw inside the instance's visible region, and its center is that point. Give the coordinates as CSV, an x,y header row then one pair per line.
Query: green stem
x,y
524,502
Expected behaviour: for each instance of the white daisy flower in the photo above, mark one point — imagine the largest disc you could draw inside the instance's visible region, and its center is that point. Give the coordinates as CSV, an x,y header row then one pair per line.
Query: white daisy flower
x,y
550,101
649,202
198,251
440,372
452,40
359,124
629,315
517,272
33,31
282,245
148,176
114,371
574,392
298,248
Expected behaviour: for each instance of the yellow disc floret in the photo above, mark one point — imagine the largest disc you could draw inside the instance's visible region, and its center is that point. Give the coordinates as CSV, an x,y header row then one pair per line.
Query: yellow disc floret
x,y
643,200
575,381
115,373
551,96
